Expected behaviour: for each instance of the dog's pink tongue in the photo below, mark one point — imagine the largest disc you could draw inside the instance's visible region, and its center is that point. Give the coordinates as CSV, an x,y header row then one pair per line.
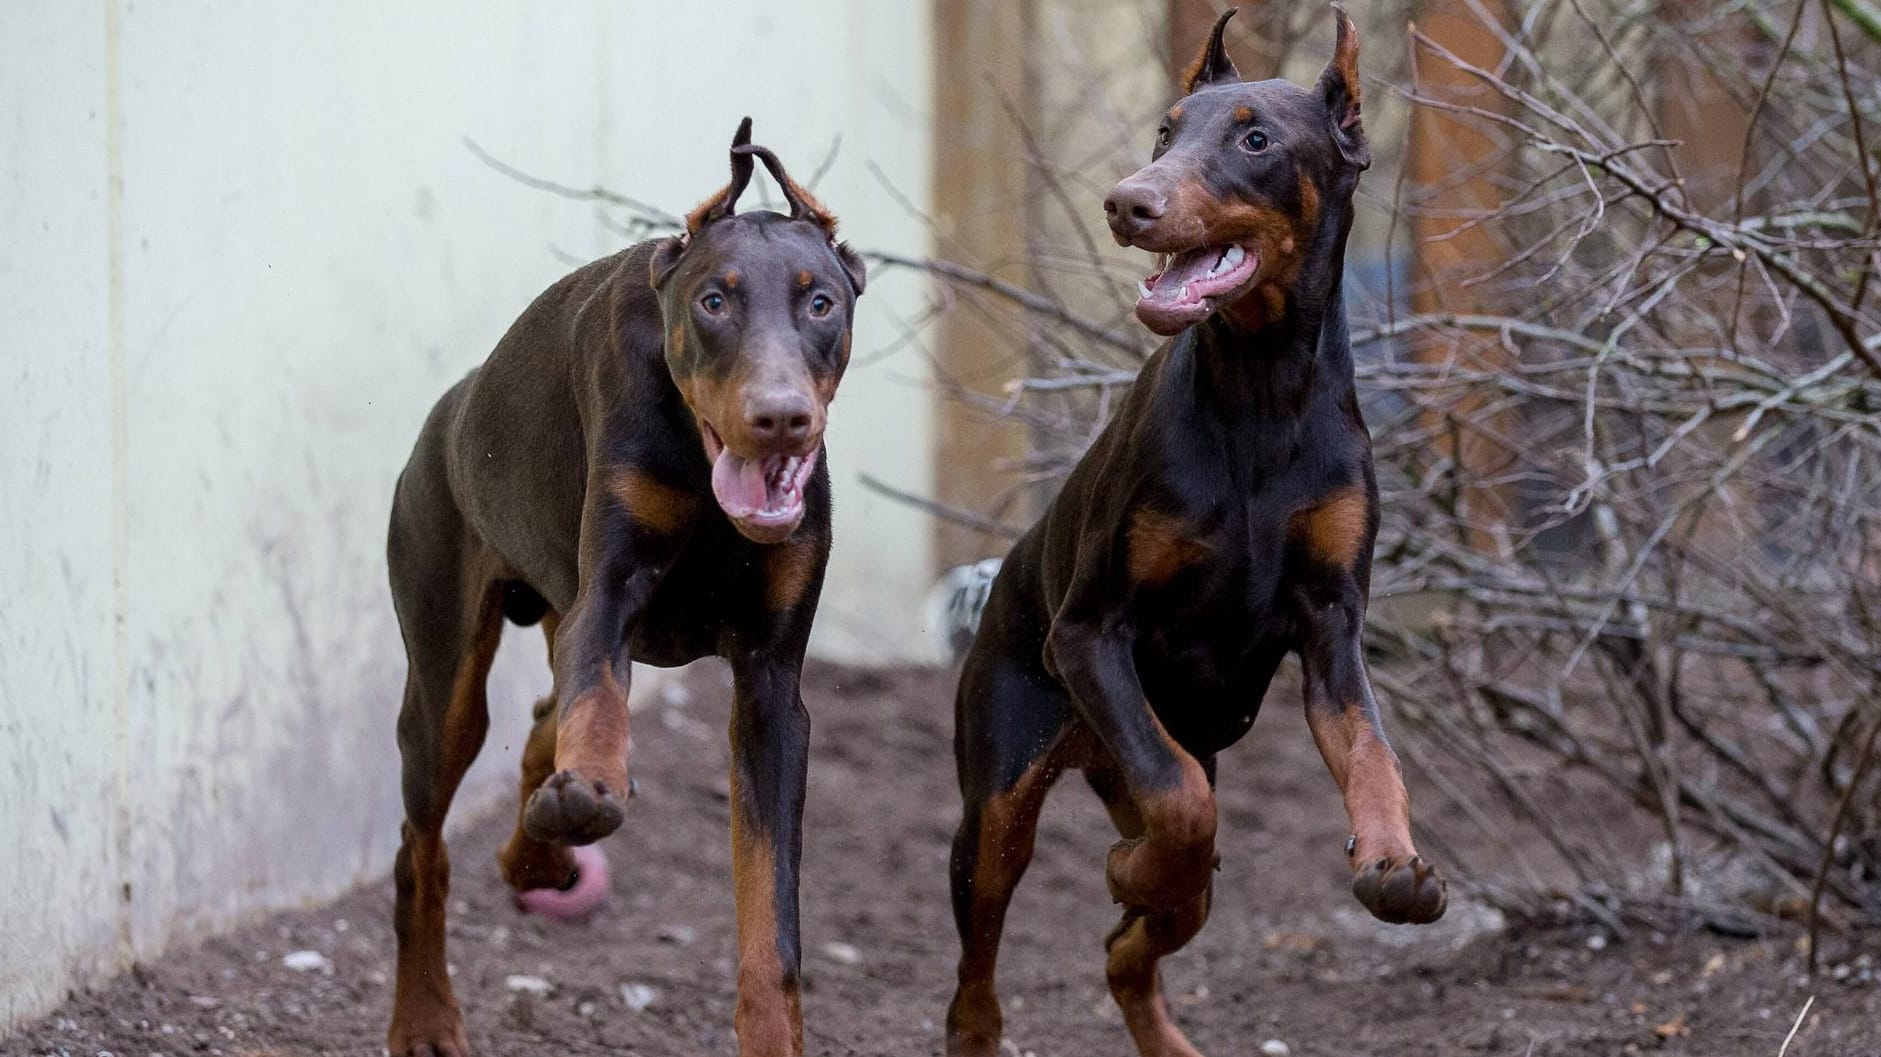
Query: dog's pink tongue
x,y
1182,277
738,483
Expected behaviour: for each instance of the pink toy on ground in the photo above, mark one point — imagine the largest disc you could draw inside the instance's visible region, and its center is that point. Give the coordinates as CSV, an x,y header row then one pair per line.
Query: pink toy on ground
x,y
576,901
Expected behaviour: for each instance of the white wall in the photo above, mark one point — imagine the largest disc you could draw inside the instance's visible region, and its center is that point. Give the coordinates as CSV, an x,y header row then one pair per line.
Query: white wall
x,y
245,249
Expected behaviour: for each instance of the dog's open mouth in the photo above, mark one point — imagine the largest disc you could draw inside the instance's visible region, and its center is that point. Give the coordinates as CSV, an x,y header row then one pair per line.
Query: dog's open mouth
x,y
762,496
1186,287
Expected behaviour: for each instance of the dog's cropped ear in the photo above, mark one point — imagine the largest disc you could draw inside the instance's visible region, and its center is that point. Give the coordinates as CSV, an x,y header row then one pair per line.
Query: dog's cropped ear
x,y
803,204
1339,89
852,266
666,257
722,204
1212,66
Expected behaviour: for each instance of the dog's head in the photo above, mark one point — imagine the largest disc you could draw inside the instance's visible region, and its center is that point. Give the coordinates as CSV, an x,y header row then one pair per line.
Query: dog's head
x,y
757,310
1242,175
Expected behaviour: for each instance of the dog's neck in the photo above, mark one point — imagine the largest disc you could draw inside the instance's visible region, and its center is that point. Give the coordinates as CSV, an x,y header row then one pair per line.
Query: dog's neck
x,y
1267,375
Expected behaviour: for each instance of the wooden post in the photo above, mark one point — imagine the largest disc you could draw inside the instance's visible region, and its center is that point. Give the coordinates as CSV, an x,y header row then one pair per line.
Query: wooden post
x,y
1694,108
980,215
1257,39
1453,166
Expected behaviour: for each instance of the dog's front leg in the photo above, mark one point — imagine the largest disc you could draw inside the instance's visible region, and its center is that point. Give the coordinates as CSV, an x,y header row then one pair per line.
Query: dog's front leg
x,y
586,798
1169,866
770,752
1390,878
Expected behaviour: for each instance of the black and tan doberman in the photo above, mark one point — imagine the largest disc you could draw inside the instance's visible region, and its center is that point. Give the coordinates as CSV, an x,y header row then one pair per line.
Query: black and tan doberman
x,y
638,467
1223,519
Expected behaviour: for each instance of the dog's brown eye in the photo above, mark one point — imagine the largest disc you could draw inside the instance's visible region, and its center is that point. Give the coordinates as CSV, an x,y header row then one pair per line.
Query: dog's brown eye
x,y
1255,141
820,305
713,303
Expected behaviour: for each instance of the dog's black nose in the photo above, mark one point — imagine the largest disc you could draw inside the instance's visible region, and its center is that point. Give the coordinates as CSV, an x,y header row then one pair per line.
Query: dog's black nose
x,y
1133,208
779,416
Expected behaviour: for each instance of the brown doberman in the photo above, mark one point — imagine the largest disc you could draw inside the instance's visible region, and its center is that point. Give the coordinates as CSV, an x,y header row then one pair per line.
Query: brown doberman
x,y
638,467
1223,519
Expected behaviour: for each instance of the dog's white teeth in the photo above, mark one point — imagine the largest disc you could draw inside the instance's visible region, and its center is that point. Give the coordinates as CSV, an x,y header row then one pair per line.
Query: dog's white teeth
x,y
1229,260
1143,289
1183,294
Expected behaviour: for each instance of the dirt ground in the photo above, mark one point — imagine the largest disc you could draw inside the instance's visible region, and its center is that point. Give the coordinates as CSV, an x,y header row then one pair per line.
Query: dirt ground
x,y
1289,963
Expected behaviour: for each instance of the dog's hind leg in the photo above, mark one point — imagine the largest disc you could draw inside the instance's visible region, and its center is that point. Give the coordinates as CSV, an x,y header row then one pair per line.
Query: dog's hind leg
x,y
549,879
1010,736
529,864
450,612
1144,937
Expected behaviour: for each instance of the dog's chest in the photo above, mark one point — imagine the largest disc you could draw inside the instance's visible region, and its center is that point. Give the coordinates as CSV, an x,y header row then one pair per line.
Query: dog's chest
x,y
1223,614
718,582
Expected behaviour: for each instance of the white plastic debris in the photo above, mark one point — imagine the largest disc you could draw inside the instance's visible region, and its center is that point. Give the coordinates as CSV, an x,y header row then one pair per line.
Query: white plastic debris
x,y
523,984
638,996
677,935
844,953
1275,1048
307,962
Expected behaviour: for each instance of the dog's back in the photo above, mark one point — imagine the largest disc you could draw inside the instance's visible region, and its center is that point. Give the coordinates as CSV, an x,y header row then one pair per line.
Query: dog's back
x,y
516,436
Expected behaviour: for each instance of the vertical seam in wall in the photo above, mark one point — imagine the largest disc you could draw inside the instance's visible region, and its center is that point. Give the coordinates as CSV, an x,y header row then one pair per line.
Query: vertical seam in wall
x,y
120,473
604,110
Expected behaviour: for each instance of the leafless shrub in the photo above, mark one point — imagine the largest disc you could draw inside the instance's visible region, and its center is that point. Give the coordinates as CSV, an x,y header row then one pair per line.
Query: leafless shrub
x,y
1639,469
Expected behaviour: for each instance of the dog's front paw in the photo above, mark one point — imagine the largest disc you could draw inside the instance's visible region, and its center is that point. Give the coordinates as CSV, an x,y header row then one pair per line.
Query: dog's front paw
x,y
570,809
974,1023
432,1032
1401,890
433,1048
